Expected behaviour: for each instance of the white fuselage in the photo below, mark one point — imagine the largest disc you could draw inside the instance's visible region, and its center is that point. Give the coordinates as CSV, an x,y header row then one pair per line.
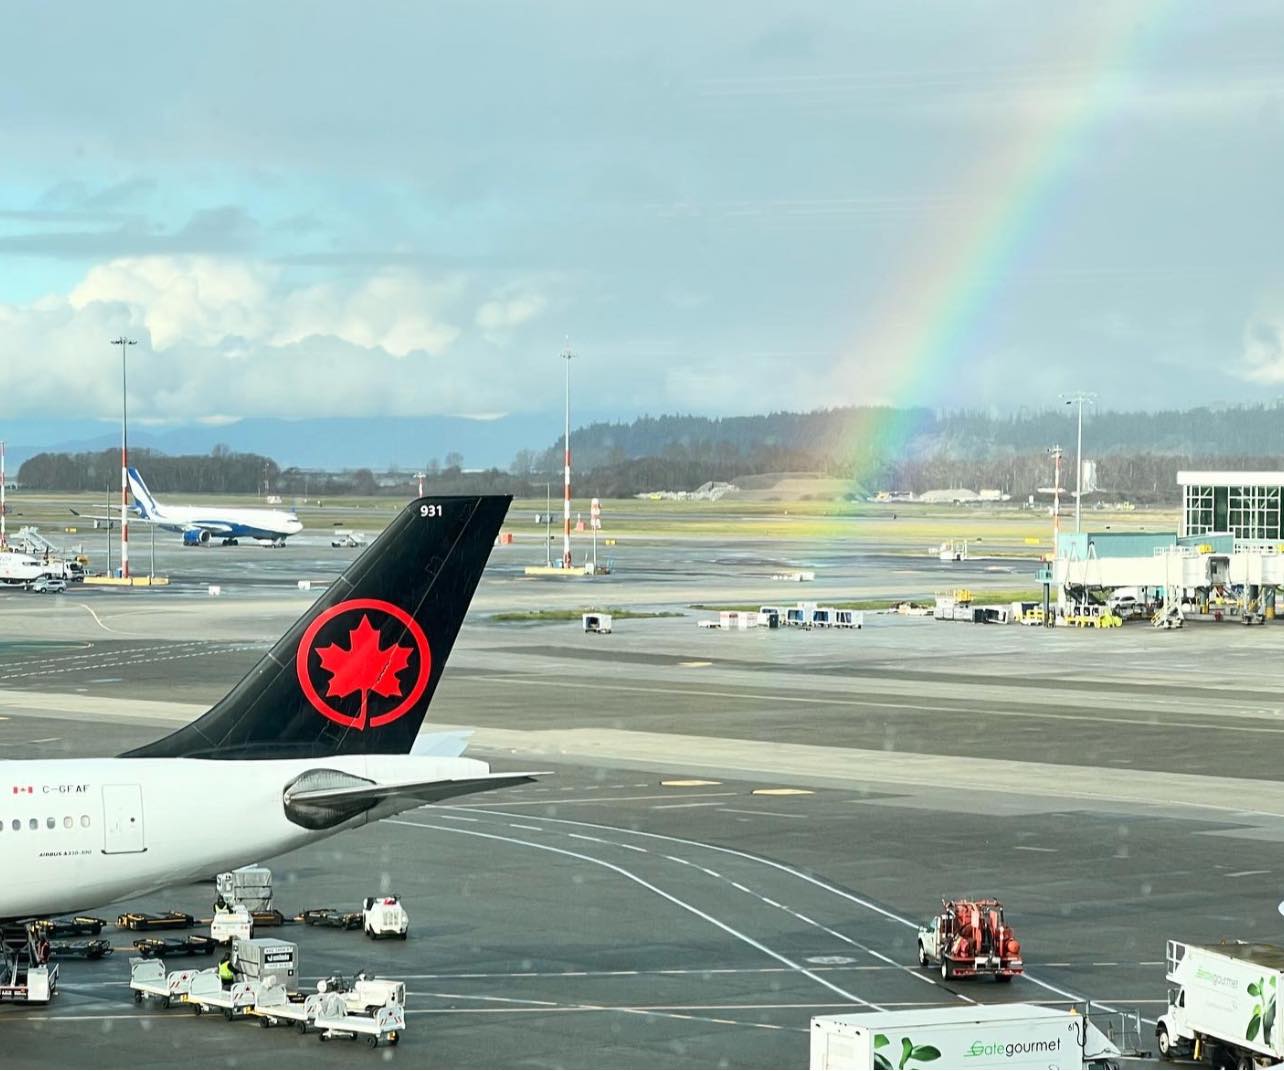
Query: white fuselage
x,y
246,523
80,833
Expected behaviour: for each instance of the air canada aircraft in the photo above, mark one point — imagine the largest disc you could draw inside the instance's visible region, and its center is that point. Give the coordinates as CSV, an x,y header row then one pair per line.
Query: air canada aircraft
x,y
200,524
322,735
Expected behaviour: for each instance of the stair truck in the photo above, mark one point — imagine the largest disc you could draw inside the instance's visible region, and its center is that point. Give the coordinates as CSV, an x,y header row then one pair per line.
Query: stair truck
x,y
970,938
1222,1004
975,1035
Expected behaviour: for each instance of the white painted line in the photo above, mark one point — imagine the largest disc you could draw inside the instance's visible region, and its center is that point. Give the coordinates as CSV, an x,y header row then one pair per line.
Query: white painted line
x,y
676,901
518,825
680,806
1233,874
773,814
601,799
1033,848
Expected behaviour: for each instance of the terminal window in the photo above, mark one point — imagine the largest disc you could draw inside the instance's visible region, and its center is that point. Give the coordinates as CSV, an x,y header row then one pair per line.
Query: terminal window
x,y
1245,511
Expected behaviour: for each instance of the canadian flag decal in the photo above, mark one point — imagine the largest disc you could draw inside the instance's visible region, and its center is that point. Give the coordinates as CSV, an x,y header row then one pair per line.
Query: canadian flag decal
x,y
23,790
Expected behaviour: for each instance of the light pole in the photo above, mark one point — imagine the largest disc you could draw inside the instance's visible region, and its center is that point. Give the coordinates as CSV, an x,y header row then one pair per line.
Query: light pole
x,y
123,343
1078,398
420,476
567,356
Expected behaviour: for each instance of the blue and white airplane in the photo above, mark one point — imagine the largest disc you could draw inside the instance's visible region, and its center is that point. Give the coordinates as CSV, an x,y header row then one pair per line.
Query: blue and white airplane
x,y
199,524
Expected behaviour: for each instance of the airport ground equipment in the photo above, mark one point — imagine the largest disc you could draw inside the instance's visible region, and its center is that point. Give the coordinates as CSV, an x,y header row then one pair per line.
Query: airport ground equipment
x,y
236,921
194,944
970,938
974,1035
329,917
148,978
363,993
275,1006
386,1024
600,623
262,958
80,926
207,994
250,885
168,920
1222,1004
26,976
96,948
267,919
849,619
383,916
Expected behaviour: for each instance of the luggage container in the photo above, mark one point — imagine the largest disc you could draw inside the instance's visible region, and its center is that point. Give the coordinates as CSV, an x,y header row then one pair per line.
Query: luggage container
x,y
849,619
599,623
770,617
260,959
823,617
250,885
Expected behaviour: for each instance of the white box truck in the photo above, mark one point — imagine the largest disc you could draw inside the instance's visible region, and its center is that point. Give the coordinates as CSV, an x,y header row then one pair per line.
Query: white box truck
x,y
975,1035
1222,1008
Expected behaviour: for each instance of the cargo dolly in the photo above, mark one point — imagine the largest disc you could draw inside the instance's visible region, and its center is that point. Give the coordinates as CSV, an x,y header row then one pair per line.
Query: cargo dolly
x,y
275,1006
169,920
335,1021
80,926
328,916
98,948
149,978
194,944
207,994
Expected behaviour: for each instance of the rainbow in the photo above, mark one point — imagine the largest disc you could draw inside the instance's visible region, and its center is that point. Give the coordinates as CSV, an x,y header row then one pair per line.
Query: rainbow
x,y
934,308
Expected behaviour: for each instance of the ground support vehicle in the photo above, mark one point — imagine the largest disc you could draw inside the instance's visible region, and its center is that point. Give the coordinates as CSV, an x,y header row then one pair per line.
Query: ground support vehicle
x,y
365,994
1222,1005
970,938
386,1025
329,917
149,978
207,993
97,948
26,976
275,1006
232,923
977,1035
80,926
169,920
194,944
383,916
48,585
267,919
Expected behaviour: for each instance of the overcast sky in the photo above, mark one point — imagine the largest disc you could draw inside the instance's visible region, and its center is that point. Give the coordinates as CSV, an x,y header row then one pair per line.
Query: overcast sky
x,y
384,208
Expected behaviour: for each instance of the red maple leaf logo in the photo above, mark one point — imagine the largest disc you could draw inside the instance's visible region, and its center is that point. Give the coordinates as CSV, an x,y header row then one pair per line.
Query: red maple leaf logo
x,y
364,666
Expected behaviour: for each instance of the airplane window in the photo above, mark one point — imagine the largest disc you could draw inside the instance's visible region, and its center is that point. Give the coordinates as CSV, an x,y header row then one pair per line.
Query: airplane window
x,y
33,823
67,823
51,823
84,821
17,824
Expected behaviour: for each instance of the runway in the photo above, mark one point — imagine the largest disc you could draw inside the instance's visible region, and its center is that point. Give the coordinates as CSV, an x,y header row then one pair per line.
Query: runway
x,y
741,830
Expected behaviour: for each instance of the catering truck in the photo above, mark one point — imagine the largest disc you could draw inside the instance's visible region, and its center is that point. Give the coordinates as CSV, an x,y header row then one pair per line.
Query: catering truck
x,y
959,1036
1221,1004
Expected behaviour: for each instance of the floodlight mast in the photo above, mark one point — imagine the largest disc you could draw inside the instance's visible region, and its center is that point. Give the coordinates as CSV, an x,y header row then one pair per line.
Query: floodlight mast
x,y
1078,398
123,342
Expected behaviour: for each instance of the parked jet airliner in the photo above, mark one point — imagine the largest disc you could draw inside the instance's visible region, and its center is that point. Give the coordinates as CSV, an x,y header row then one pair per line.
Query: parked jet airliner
x,y
199,524
319,737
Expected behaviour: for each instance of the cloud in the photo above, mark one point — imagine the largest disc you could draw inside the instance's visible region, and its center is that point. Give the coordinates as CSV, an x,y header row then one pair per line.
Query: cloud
x,y
221,335
498,317
1263,357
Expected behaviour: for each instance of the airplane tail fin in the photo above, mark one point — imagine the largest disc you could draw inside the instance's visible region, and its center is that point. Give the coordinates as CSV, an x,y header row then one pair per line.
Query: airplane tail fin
x,y
355,674
147,506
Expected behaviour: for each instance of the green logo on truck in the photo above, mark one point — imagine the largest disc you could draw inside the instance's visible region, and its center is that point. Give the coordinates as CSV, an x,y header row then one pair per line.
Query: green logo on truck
x,y
1263,1015
1009,1049
909,1051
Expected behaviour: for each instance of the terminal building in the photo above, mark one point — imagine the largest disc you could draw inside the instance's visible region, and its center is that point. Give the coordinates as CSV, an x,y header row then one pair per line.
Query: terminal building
x,y
1228,552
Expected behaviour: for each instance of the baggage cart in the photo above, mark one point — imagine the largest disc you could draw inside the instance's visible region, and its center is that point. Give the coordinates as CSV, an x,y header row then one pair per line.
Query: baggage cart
x,y
329,917
80,926
206,994
275,1007
385,1025
194,944
169,920
149,978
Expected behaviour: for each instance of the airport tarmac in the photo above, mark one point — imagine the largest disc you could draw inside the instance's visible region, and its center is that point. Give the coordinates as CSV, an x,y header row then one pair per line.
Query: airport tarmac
x,y
739,830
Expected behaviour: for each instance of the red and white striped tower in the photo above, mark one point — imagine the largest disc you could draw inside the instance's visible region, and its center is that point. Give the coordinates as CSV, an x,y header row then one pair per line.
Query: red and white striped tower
x,y
567,355
123,342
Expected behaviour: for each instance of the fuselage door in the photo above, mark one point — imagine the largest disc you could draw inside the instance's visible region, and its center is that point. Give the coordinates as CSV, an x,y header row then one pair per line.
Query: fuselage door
x,y
123,819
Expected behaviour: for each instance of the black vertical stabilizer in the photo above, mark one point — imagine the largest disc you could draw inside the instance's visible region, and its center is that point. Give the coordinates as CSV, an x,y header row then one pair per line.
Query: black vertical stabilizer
x,y
356,673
